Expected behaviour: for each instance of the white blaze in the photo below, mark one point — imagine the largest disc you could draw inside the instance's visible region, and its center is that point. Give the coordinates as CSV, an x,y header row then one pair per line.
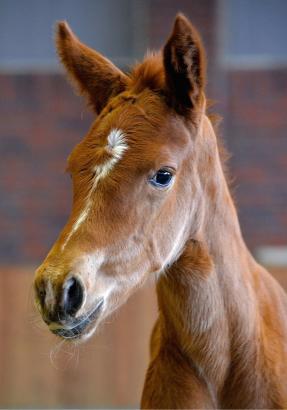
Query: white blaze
x,y
117,146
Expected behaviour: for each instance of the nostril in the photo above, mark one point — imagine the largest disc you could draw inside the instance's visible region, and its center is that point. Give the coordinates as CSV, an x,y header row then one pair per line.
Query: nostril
x,y
40,292
73,295
42,295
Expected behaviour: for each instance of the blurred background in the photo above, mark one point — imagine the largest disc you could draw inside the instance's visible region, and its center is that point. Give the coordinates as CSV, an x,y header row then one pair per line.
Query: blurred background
x,y
41,120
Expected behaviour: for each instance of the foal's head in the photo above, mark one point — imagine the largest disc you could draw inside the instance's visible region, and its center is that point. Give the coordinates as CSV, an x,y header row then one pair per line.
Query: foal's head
x,y
136,179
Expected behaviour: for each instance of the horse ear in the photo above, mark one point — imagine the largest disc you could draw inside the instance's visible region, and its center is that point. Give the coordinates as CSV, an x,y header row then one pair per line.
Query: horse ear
x,y
184,65
93,75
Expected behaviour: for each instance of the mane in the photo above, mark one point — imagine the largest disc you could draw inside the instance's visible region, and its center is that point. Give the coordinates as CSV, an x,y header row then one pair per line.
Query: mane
x,y
224,154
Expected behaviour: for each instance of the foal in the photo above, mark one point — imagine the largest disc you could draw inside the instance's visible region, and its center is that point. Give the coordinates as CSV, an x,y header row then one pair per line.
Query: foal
x,y
150,198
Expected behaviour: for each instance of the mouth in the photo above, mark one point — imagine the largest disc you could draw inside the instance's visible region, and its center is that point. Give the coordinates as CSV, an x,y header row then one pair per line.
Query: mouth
x,y
78,328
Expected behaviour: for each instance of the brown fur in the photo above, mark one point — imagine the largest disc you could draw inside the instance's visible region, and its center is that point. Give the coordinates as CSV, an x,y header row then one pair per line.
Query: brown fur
x,y
220,340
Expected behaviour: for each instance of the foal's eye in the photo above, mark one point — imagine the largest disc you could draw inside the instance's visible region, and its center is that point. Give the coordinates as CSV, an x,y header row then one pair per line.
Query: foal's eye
x,y
162,178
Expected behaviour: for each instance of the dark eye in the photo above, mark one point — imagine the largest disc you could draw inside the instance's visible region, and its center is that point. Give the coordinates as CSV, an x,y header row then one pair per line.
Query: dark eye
x,y
162,178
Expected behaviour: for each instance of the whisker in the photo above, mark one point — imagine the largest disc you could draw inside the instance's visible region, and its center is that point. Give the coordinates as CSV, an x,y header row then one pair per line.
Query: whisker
x,y
54,353
63,354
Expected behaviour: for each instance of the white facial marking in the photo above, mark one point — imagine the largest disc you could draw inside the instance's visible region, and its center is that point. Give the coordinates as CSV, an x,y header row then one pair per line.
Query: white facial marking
x,y
117,146
117,143
50,297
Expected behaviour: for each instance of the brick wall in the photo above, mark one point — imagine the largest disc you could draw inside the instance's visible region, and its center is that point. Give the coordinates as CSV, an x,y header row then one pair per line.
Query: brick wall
x,y
40,121
256,134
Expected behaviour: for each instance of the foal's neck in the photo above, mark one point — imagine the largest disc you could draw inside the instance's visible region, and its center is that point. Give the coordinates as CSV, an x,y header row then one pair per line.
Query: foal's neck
x,y
210,278
220,232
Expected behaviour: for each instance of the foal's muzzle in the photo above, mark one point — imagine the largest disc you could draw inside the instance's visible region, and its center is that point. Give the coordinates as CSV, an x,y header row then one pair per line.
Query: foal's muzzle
x,y
60,303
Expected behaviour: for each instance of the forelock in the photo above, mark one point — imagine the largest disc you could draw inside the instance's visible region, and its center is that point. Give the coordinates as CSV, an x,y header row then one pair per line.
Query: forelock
x,y
148,74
